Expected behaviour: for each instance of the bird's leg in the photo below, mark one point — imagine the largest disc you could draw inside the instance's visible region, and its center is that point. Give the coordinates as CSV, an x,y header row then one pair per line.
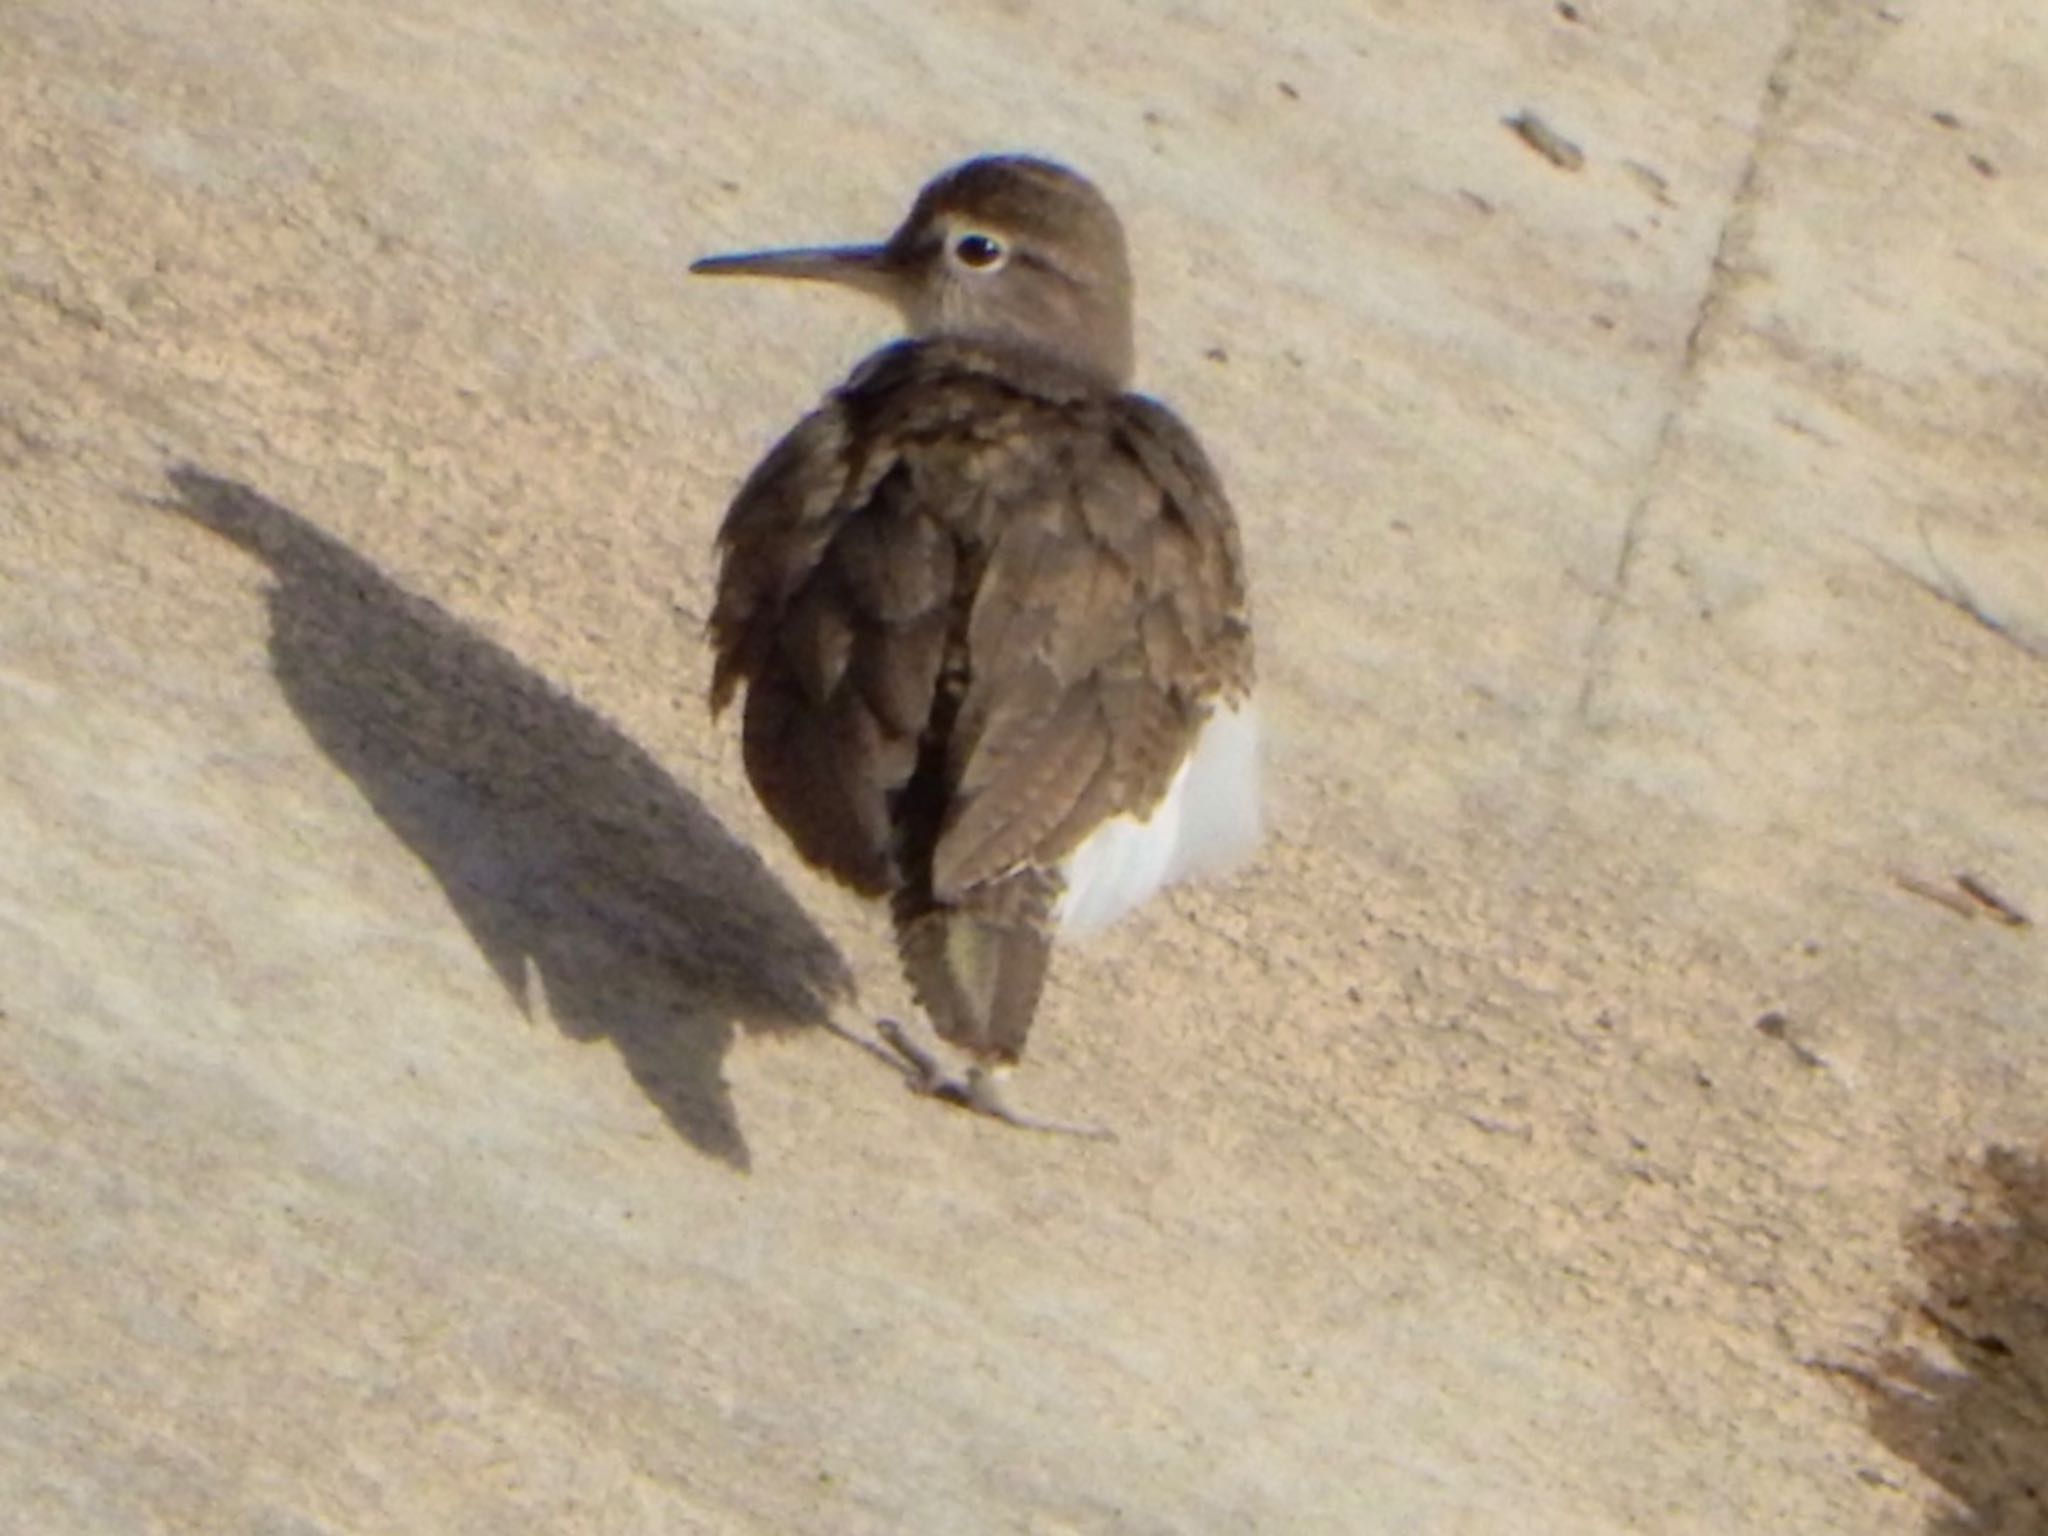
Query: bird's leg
x,y
924,1072
984,1097
978,1090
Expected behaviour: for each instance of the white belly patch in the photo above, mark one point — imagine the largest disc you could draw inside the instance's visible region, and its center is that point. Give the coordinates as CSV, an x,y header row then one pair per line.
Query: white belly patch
x,y
1209,819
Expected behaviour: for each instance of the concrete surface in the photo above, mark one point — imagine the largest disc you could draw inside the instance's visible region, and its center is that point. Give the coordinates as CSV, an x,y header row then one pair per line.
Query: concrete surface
x,y
1599,1110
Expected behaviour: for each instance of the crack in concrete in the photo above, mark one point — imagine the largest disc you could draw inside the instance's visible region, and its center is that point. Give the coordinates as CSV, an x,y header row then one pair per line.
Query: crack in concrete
x,y
1949,587
1725,270
1736,226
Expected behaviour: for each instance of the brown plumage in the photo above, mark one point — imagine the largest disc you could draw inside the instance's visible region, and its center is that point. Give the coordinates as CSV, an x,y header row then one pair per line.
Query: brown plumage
x,y
982,600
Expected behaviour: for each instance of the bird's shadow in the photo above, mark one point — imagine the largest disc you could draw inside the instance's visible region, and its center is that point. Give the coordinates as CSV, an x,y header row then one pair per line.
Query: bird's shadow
x,y
574,861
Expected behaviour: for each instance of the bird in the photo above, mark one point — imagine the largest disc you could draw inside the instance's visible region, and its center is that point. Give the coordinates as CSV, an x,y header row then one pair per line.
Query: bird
x,y
989,609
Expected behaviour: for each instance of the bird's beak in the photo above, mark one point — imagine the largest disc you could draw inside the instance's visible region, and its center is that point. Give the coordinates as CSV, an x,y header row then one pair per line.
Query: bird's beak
x,y
870,268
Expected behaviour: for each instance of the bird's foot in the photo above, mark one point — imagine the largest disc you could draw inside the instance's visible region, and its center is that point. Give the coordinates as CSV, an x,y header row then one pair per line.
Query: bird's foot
x,y
977,1090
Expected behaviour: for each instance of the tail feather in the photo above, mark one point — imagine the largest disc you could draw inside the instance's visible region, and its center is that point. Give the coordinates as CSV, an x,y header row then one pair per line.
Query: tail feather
x,y
978,966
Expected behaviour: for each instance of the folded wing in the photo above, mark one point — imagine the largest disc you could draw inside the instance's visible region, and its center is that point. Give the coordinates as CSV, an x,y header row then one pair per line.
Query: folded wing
x,y
980,607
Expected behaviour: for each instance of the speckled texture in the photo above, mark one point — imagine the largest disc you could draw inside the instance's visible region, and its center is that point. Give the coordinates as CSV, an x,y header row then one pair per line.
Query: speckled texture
x,y
412,1112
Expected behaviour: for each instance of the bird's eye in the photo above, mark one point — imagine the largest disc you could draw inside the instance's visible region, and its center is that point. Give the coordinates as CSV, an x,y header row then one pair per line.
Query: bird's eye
x,y
979,251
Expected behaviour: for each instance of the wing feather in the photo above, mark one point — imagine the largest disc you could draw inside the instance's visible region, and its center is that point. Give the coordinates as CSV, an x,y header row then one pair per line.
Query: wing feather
x,y
975,571
1109,617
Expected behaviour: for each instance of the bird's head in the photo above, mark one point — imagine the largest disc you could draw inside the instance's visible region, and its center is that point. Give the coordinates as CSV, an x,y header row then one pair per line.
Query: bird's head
x,y
1005,248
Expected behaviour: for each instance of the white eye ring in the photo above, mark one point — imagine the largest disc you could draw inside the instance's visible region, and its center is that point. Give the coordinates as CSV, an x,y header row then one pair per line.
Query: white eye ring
x,y
978,252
